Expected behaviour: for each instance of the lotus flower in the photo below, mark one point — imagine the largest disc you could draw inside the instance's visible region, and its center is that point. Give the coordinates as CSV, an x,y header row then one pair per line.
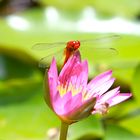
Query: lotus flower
x,y
70,95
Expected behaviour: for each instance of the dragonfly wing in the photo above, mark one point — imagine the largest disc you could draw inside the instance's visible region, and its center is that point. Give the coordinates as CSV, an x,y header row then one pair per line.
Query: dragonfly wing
x,y
101,39
98,54
46,61
99,48
48,46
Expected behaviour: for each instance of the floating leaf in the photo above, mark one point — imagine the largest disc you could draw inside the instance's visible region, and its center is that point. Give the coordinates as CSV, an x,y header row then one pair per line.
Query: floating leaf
x,y
90,127
114,132
136,84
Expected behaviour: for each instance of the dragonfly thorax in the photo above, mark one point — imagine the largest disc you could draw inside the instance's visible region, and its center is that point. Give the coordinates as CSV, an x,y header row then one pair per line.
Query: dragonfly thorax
x,y
73,45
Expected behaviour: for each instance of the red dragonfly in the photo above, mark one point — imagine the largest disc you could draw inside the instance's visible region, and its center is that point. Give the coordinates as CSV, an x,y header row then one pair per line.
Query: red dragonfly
x,y
67,49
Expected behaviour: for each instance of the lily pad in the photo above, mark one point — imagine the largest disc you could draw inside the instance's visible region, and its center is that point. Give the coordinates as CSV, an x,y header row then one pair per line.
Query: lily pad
x,y
19,79
114,132
88,128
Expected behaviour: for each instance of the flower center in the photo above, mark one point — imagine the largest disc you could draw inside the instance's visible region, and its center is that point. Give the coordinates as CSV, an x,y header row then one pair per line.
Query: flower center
x,y
63,89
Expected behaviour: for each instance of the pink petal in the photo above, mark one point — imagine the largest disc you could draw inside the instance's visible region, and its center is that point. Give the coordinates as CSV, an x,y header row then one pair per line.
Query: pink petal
x,y
53,69
79,75
100,89
83,75
119,98
83,111
67,103
109,95
59,103
74,103
100,79
67,69
74,73
53,78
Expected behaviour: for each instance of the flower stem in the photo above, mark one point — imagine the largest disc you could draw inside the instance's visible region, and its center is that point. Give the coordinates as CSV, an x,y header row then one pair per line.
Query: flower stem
x,y
63,131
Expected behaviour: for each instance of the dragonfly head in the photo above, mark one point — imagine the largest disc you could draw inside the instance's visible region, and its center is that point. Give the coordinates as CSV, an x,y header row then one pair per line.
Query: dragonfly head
x,y
74,45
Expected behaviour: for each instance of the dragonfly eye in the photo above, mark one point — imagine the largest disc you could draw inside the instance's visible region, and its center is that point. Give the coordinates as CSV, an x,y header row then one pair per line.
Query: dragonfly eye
x,y
76,44
73,45
70,43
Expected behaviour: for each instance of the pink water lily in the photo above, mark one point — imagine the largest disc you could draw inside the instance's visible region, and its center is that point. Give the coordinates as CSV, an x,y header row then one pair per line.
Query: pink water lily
x,y
70,95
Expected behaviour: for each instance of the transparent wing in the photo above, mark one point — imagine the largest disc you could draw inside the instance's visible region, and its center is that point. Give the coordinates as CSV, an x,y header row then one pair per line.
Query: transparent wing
x,y
99,49
98,54
46,61
50,50
101,39
47,46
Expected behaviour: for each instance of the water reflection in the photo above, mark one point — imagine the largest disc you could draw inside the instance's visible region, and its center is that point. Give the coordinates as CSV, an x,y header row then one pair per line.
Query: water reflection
x,y
89,22
18,23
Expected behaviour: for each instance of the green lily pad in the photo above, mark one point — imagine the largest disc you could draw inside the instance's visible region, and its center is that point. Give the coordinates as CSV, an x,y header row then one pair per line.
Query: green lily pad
x,y
126,8
135,84
132,123
114,132
27,120
90,128
19,79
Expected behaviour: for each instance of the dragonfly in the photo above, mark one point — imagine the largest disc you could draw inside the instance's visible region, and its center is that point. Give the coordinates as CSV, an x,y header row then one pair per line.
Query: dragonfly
x,y
62,51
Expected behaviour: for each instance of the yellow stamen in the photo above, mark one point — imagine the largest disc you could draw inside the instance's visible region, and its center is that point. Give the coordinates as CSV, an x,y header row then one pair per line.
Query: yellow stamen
x,y
74,90
69,87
